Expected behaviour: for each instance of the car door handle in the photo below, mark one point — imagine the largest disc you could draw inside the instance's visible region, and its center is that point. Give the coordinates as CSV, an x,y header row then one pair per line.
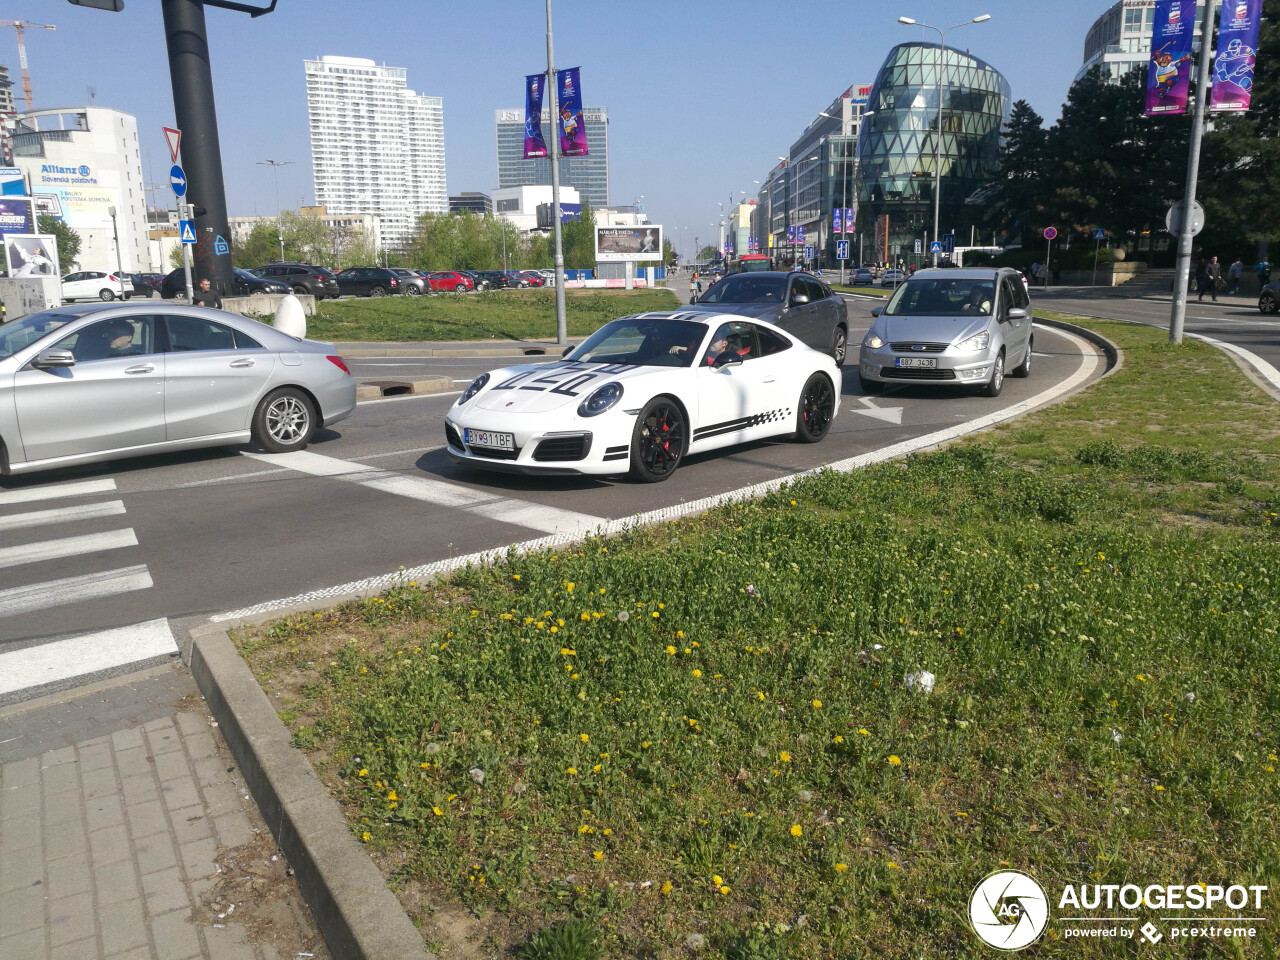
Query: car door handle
x,y
247,362
141,368
768,379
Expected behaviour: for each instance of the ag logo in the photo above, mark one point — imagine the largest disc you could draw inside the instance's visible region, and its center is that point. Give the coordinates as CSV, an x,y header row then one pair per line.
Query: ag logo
x,y
1008,910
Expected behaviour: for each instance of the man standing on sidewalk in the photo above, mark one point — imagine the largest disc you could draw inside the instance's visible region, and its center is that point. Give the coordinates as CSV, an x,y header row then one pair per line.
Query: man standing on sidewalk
x,y
1213,277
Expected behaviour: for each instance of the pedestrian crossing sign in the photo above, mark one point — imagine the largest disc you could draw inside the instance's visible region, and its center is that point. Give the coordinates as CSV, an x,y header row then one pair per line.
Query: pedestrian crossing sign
x,y
187,231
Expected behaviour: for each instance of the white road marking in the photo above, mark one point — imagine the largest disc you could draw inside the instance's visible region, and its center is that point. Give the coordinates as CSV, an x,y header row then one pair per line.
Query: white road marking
x,y
491,505
78,489
887,414
1264,369
55,593
66,547
83,655
36,518
1089,360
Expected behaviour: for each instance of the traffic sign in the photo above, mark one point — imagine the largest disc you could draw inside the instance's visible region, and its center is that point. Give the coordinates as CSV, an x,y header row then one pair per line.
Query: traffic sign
x,y
1050,233
935,247
173,138
1099,234
917,246
808,251
842,249
177,180
948,242
1173,219
187,231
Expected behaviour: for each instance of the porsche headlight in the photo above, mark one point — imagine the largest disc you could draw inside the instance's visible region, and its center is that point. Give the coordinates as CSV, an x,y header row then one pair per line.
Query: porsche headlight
x,y
872,341
476,386
601,400
975,344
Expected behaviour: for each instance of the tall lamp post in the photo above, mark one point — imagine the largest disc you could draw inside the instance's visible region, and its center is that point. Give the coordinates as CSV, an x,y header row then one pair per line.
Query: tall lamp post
x,y
111,212
937,137
275,165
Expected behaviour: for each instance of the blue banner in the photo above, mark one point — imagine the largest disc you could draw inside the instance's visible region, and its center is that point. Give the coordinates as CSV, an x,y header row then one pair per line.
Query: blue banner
x,y
15,216
837,220
534,144
1169,74
1237,53
573,132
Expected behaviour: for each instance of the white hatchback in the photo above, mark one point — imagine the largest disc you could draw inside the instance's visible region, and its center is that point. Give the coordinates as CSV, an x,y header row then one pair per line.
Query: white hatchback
x,y
96,285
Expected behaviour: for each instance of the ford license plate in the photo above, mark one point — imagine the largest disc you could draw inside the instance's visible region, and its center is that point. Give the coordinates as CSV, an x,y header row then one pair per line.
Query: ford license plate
x,y
487,438
914,362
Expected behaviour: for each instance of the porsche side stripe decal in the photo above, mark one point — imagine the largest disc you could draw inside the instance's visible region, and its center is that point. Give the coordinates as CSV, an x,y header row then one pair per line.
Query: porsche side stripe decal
x,y
742,423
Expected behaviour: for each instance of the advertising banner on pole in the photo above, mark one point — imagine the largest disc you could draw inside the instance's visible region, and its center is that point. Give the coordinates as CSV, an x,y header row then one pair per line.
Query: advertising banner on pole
x,y
15,215
849,219
1237,51
837,220
534,143
573,133
1169,73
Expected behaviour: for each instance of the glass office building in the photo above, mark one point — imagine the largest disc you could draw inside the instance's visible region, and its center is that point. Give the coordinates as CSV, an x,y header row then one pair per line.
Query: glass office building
x,y
589,174
900,135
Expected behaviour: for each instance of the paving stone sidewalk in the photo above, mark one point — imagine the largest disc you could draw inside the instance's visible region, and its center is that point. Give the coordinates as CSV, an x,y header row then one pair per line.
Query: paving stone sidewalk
x,y
122,845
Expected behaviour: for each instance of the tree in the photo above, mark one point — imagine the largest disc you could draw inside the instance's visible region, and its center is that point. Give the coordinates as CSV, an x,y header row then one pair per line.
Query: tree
x,y
578,238
1020,191
708,253
68,240
261,246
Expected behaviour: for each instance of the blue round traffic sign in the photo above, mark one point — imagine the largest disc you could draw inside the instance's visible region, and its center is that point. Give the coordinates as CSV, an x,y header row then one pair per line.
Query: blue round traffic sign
x,y
1050,233
177,180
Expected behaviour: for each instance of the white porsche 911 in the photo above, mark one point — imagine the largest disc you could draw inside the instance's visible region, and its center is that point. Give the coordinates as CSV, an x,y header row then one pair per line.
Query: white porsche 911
x,y
642,392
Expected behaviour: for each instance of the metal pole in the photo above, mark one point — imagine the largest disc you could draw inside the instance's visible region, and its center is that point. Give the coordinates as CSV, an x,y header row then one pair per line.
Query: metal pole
x,y
937,141
1097,245
1048,255
115,232
185,214
562,332
197,118
1182,264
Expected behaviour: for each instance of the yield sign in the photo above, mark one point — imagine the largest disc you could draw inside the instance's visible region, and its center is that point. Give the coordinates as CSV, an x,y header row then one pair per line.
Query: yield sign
x,y
887,414
173,138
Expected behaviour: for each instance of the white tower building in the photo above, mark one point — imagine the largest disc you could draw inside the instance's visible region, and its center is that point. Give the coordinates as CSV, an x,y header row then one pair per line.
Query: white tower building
x,y
376,147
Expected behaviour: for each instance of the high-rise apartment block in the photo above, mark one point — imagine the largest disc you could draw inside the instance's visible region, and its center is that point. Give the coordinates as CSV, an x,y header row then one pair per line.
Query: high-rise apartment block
x,y
589,174
376,147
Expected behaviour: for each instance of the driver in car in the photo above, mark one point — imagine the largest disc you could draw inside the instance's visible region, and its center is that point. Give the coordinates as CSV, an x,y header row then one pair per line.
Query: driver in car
x,y
979,300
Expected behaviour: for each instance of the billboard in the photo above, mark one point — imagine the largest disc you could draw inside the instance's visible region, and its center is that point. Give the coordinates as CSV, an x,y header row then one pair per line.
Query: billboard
x,y
1169,73
12,183
15,215
1237,51
31,255
629,243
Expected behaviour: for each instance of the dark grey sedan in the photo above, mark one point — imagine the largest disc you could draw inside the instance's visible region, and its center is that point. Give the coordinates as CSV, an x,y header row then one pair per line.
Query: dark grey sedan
x,y
84,384
799,303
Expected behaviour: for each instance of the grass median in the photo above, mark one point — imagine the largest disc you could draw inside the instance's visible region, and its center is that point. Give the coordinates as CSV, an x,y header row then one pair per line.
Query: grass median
x,y
700,735
500,314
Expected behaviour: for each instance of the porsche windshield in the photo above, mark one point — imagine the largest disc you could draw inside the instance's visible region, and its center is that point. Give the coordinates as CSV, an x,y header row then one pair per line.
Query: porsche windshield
x,y
644,342
16,335
941,298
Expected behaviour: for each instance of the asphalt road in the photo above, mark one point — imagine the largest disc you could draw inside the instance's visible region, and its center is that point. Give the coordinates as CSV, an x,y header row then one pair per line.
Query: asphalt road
x,y
193,534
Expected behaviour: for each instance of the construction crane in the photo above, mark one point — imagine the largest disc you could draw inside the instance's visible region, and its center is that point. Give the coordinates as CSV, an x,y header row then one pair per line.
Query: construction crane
x,y
19,26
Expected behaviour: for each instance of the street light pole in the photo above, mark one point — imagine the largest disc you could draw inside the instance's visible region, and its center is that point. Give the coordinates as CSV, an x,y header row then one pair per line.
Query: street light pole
x,y
111,211
562,327
937,137
275,166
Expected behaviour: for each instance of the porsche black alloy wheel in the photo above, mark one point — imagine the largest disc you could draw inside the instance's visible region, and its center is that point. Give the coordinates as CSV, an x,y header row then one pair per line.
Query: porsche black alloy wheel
x,y
658,440
817,408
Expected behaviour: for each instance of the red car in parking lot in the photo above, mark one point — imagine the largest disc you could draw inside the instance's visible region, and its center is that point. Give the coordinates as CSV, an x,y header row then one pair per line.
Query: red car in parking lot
x,y
451,281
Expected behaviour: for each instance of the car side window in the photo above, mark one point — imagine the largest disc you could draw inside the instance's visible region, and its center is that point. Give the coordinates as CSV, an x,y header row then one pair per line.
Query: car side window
x,y
110,339
816,291
188,334
1020,298
770,343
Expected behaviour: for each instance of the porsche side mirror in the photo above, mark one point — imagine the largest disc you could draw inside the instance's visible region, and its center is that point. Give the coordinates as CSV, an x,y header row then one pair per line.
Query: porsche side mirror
x,y
53,358
728,358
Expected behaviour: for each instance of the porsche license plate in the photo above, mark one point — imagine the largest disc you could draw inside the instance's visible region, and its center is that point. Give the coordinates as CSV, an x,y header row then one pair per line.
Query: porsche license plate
x,y
487,438
914,362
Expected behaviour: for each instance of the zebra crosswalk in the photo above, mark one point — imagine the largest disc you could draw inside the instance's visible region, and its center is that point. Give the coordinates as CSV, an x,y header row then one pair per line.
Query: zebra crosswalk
x,y
55,553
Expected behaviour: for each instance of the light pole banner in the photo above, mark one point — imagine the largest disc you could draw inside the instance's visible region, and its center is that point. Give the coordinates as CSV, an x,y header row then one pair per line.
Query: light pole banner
x,y
837,220
1237,51
534,144
1169,75
573,133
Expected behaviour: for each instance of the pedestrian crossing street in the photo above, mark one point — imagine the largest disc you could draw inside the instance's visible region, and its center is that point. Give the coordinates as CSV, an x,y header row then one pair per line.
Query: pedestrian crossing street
x,y
46,533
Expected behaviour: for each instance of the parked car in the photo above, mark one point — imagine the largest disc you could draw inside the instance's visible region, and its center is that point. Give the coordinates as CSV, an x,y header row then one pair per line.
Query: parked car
x,y
861,275
369,281
96,382
516,279
301,278
451,281
535,279
799,303
892,276
96,285
689,386
476,282
411,283
949,327
495,279
1269,297
243,284
144,284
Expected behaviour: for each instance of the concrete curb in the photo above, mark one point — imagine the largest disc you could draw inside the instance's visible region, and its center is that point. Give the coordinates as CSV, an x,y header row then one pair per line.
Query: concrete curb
x,y
395,388
357,915
414,351
1115,356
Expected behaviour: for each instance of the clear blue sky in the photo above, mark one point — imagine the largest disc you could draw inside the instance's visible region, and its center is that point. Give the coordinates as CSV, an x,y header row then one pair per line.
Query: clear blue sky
x,y
701,96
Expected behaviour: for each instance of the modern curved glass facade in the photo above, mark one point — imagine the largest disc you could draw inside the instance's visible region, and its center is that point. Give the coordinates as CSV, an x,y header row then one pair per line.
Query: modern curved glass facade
x,y
899,136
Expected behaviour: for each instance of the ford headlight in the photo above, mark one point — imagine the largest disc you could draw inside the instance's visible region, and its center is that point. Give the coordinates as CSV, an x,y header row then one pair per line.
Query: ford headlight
x,y
476,386
872,341
601,400
976,344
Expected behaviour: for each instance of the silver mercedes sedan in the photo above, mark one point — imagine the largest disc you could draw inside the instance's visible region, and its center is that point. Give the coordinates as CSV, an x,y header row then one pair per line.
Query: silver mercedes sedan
x,y
948,328
93,382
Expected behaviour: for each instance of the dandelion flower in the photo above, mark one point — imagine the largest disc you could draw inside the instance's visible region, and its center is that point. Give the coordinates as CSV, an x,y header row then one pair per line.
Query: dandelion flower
x,y
697,673
363,670
584,737
724,889
596,768
842,867
784,757
366,836
671,651
817,704
392,796
566,652
607,832
437,811
624,616
863,731
363,772
666,888
892,866
645,745
515,576
1159,787
598,854
837,739
572,771
797,830
894,761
